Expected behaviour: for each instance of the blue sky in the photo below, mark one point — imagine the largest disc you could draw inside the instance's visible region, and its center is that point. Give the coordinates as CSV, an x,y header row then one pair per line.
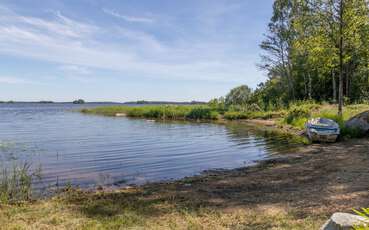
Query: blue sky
x,y
123,50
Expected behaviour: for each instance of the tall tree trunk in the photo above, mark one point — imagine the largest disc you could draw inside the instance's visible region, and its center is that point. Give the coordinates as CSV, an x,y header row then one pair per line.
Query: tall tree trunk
x,y
340,87
334,86
310,86
291,78
347,73
287,72
305,87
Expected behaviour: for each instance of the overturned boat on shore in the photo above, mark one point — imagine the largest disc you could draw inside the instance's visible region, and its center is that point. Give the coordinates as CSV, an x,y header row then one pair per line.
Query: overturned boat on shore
x,y
322,130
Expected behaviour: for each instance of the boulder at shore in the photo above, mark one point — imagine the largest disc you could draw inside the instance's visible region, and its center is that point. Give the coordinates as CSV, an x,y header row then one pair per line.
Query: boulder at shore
x,y
343,221
359,122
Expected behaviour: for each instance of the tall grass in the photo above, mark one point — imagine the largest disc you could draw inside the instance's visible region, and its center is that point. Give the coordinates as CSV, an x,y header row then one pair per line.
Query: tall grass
x,y
16,183
202,113
265,115
172,112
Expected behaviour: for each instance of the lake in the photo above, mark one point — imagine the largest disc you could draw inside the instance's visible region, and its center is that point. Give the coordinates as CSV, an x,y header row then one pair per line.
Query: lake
x,y
87,150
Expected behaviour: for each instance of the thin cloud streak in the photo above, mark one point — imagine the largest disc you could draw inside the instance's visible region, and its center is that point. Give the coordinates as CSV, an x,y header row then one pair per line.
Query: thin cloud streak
x,y
75,70
14,81
128,18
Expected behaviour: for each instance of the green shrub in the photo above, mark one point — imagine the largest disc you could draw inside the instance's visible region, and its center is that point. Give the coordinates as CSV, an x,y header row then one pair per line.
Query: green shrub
x,y
266,115
235,115
156,113
218,104
297,113
202,113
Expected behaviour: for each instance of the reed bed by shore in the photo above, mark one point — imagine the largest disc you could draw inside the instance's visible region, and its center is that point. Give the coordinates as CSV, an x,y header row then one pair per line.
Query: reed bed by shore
x,y
172,112
293,117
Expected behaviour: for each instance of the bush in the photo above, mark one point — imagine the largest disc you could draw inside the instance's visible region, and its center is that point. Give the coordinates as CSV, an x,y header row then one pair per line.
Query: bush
x,y
239,96
266,115
297,113
218,105
202,113
156,113
235,115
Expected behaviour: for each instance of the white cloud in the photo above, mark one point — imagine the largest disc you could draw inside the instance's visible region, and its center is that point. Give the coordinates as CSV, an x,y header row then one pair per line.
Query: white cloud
x,y
74,69
78,47
128,18
14,80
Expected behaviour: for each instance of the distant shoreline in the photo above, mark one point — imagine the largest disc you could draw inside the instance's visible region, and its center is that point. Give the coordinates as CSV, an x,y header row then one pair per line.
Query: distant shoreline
x,y
110,102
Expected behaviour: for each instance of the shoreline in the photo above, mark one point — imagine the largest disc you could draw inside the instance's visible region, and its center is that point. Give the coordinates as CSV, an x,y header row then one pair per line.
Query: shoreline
x,y
296,190
297,172
271,125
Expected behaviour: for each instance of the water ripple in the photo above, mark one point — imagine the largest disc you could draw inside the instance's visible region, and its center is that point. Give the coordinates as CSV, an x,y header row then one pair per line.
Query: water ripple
x,y
90,150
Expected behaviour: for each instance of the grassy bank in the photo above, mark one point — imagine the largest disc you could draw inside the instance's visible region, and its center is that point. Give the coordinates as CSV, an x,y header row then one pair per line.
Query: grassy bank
x,y
182,112
171,112
294,117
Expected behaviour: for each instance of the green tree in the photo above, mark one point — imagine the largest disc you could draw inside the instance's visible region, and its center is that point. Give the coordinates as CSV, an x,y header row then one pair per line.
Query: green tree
x,y
277,44
239,96
317,49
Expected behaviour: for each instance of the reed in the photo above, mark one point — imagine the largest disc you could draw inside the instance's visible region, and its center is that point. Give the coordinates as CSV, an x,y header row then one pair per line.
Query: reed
x,y
16,183
163,112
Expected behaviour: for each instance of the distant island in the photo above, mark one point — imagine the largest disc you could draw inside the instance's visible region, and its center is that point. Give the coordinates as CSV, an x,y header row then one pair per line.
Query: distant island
x,y
140,102
79,101
45,102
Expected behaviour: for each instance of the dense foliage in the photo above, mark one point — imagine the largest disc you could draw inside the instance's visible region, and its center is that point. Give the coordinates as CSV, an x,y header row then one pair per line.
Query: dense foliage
x,y
316,49
239,96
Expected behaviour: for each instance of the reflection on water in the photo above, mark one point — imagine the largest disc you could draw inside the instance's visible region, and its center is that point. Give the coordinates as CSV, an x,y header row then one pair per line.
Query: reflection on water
x,y
90,150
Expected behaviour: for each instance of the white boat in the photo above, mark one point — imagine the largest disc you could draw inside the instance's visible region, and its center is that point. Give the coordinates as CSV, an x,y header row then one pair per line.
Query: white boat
x,y
322,130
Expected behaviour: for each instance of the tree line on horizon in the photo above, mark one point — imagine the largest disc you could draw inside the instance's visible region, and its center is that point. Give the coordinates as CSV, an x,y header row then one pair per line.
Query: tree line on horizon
x,y
315,50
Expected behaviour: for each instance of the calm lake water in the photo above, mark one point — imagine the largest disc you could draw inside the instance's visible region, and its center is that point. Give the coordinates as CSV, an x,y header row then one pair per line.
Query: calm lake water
x,y
89,150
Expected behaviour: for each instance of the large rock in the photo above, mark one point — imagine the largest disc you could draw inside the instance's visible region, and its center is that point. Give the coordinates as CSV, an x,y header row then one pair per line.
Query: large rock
x,y
359,122
343,221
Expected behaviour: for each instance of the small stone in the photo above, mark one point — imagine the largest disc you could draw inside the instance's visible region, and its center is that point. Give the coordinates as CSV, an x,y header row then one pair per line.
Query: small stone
x,y
120,115
343,221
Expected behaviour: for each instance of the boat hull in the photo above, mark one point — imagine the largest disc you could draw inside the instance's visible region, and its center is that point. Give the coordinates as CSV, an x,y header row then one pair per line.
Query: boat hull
x,y
322,130
315,137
